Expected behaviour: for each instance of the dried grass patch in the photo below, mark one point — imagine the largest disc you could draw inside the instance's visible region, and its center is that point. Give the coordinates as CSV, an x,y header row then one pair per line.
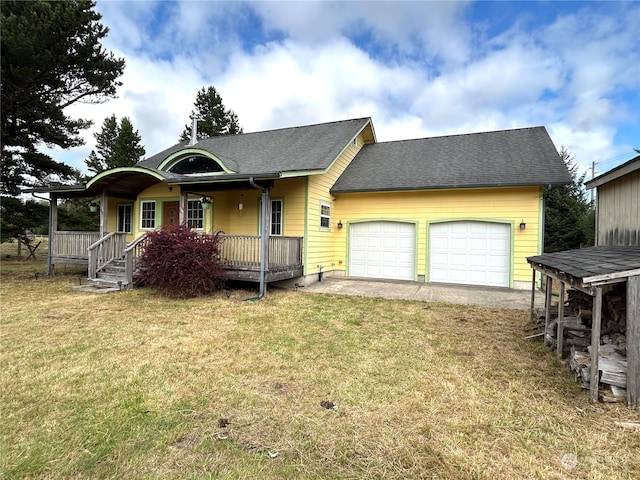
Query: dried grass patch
x,y
133,385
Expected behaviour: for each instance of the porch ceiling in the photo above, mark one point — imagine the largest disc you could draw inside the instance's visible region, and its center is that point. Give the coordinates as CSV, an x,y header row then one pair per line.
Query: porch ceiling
x,y
122,184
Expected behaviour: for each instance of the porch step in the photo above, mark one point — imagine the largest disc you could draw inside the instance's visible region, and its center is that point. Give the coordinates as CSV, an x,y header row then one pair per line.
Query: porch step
x,y
111,276
109,282
95,288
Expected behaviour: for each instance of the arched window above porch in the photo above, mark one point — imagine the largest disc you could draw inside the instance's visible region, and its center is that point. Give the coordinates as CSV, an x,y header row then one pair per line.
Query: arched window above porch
x,y
196,164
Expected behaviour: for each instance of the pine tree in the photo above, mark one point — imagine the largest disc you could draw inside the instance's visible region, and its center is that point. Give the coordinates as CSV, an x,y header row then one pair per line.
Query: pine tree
x,y
568,214
117,145
51,59
213,118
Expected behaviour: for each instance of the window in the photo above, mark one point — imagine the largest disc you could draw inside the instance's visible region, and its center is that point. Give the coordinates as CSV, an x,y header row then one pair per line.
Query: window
x,y
276,217
125,212
195,214
196,164
325,215
148,214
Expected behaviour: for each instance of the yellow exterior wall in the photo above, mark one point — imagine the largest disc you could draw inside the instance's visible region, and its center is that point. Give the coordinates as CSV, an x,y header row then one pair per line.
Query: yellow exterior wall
x,y
225,214
508,205
320,244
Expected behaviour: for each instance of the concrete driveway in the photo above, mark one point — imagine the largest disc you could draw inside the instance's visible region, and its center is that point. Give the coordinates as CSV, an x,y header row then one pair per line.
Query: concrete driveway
x,y
468,295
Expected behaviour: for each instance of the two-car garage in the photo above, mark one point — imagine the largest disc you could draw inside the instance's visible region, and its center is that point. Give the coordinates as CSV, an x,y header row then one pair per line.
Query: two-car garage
x,y
461,252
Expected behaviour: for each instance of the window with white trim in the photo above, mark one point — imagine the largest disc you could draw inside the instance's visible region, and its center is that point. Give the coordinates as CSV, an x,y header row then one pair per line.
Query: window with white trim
x,y
148,214
195,214
276,217
275,223
125,214
325,215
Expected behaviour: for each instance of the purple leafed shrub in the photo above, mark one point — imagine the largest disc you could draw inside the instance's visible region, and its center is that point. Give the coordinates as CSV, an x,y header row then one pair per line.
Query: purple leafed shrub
x,y
181,263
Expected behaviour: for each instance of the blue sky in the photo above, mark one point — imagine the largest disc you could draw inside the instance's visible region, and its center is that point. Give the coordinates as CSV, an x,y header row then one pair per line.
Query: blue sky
x,y
418,69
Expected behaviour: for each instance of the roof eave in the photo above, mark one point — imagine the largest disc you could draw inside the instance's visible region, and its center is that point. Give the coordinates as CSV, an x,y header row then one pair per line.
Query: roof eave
x,y
56,189
441,187
617,172
224,178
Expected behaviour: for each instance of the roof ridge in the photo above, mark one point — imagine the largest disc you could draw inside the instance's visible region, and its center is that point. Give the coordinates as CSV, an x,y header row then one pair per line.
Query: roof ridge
x,y
462,134
296,127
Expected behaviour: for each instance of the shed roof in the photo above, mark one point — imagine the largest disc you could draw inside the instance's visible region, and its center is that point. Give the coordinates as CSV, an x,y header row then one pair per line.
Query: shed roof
x,y
519,157
615,173
591,266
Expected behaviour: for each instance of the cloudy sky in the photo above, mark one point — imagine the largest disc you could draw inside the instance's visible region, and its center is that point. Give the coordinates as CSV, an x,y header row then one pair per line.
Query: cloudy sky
x,y
418,69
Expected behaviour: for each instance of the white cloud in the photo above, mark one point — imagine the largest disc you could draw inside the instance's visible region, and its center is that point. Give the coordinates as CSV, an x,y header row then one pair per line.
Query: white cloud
x,y
430,72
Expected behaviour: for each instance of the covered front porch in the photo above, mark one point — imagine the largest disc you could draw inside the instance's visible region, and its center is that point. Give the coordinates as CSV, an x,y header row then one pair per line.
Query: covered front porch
x,y
240,255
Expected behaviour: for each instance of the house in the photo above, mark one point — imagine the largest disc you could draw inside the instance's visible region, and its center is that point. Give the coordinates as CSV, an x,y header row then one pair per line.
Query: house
x,y
612,266
330,199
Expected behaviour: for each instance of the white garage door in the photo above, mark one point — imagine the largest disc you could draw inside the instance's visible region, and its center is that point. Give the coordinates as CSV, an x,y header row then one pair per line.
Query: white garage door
x,y
472,253
382,250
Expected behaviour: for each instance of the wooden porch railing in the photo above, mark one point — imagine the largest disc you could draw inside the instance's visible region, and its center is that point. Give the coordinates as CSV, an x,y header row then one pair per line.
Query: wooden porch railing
x,y
73,245
237,252
104,251
243,251
131,255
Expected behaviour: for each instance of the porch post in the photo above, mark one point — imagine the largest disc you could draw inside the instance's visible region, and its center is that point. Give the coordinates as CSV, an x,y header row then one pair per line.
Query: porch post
x,y
182,215
547,307
560,336
533,294
633,342
264,234
595,345
53,227
103,213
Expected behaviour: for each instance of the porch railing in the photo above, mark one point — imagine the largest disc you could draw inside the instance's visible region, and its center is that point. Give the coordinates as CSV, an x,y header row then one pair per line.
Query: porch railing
x,y
73,244
131,255
243,251
240,252
104,251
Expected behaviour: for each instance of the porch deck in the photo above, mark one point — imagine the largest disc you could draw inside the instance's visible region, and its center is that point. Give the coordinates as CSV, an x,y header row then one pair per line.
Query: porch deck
x,y
239,254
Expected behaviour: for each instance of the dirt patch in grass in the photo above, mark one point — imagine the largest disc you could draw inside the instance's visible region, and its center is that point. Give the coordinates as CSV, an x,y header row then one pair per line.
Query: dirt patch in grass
x,y
133,385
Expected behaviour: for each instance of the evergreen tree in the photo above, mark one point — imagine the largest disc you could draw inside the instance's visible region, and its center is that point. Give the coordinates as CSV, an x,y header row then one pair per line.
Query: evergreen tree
x,y
213,118
51,59
569,219
117,145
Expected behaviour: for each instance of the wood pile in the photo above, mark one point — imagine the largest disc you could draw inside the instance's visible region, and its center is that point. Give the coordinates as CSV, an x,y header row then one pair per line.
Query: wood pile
x,y
612,360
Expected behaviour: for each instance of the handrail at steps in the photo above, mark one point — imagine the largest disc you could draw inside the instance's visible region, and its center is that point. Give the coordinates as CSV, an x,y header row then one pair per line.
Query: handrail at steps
x,y
93,254
130,255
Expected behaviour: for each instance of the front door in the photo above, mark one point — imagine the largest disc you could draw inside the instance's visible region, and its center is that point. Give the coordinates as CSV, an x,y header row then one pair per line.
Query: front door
x,y
170,213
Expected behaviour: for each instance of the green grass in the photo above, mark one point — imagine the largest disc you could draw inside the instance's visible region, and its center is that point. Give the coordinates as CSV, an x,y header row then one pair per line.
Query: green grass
x,y
132,385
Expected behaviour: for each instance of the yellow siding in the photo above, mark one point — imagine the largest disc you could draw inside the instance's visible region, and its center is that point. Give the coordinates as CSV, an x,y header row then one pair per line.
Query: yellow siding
x,y
225,214
160,193
320,243
510,205
112,216
292,192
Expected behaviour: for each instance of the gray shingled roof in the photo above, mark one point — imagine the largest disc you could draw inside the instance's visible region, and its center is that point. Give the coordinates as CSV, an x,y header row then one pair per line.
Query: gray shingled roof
x,y
311,147
518,157
593,263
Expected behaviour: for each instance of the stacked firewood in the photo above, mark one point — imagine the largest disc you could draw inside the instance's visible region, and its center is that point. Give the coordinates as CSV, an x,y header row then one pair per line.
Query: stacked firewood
x,y
612,360
612,363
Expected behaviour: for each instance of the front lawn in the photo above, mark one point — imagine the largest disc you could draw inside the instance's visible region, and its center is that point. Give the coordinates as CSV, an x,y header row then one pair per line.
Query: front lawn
x,y
132,385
